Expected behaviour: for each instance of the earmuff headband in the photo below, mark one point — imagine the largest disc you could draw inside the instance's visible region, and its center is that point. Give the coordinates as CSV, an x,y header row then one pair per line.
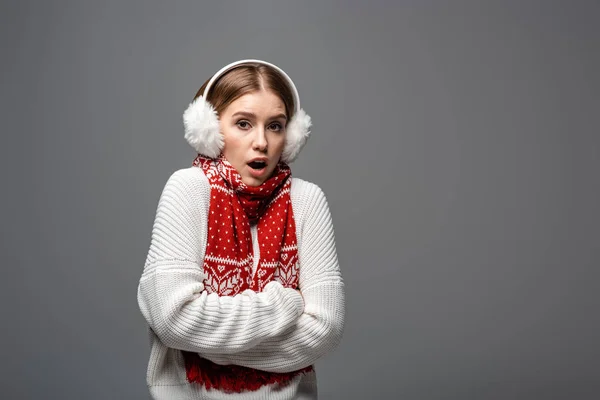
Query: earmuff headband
x,y
201,121
229,67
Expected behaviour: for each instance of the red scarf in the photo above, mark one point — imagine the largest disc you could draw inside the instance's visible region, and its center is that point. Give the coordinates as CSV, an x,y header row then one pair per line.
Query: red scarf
x,y
233,207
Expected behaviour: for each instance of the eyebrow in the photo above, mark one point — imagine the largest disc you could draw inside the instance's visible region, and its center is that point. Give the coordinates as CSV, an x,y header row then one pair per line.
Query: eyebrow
x,y
252,115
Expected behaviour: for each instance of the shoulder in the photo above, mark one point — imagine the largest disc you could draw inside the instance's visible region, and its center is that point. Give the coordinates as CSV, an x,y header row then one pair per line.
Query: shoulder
x,y
186,187
190,179
307,197
305,190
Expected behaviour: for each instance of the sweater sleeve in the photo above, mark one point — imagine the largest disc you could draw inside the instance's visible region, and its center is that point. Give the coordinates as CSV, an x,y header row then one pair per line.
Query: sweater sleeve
x,y
171,293
319,329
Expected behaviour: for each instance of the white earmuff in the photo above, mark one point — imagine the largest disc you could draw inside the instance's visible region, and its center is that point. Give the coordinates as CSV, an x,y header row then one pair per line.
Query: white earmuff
x,y
201,121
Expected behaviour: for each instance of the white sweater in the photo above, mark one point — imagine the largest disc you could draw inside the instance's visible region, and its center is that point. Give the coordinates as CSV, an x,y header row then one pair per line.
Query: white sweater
x,y
277,330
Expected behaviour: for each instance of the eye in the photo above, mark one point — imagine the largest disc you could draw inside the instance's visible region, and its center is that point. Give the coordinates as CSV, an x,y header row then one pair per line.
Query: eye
x,y
243,124
276,126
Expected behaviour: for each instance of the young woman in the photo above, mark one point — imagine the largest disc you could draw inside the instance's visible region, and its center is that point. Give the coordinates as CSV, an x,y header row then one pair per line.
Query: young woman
x,y
241,287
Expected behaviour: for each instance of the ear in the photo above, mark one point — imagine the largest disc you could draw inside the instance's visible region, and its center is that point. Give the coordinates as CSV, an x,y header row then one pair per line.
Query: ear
x,y
297,133
202,128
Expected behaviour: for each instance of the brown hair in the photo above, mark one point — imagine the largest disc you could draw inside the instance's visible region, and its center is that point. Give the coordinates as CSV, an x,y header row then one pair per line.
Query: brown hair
x,y
244,79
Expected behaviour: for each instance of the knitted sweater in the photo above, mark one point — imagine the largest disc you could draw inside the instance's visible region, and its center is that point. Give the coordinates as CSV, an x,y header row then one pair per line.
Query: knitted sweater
x,y
279,329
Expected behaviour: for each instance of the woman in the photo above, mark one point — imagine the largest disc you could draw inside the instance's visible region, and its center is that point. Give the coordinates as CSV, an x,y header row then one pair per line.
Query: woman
x,y
241,287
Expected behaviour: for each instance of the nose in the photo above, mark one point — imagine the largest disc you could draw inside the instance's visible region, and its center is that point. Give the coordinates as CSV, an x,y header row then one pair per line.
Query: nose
x,y
260,140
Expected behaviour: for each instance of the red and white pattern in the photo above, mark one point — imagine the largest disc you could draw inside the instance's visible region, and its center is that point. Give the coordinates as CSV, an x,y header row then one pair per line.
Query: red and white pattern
x,y
228,259
233,207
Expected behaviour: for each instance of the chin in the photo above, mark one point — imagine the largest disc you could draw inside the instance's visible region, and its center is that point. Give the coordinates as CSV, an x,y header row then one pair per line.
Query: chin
x,y
252,181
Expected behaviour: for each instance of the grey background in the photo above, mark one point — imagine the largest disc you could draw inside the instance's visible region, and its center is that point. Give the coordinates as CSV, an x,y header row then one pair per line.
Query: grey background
x,y
457,143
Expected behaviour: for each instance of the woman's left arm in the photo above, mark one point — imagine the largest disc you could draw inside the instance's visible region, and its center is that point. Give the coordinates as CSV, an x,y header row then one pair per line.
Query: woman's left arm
x,y
319,329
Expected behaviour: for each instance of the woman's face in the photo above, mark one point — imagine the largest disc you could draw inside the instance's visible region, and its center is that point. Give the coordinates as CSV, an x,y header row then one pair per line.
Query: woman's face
x,y
253,127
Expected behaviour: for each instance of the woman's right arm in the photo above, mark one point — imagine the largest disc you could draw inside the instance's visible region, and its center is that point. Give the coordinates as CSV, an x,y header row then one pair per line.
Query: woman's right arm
x,y
171,293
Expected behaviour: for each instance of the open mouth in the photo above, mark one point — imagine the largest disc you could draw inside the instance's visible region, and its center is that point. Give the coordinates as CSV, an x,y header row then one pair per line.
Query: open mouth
x,y
257,165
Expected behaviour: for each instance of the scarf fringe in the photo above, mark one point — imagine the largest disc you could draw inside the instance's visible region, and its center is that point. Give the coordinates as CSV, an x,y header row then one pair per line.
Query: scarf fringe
x,y
233,378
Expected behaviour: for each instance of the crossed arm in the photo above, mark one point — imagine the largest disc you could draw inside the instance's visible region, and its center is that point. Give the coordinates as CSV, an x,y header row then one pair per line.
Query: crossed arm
x,y
276,330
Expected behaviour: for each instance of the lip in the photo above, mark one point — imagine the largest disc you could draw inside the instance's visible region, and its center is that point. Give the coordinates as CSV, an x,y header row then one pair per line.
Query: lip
x,y
264,159
257,173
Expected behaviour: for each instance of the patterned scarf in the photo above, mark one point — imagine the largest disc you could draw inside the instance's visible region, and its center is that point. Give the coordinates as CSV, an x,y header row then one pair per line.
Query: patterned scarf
x,y
228,259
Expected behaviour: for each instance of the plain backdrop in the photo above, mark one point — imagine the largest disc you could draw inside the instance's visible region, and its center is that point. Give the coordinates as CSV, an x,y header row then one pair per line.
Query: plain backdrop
x,y
457,143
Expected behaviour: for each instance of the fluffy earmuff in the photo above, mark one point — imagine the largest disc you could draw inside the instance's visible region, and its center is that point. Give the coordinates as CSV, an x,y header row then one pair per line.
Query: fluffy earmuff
x,y
297,133
202,128
202,131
